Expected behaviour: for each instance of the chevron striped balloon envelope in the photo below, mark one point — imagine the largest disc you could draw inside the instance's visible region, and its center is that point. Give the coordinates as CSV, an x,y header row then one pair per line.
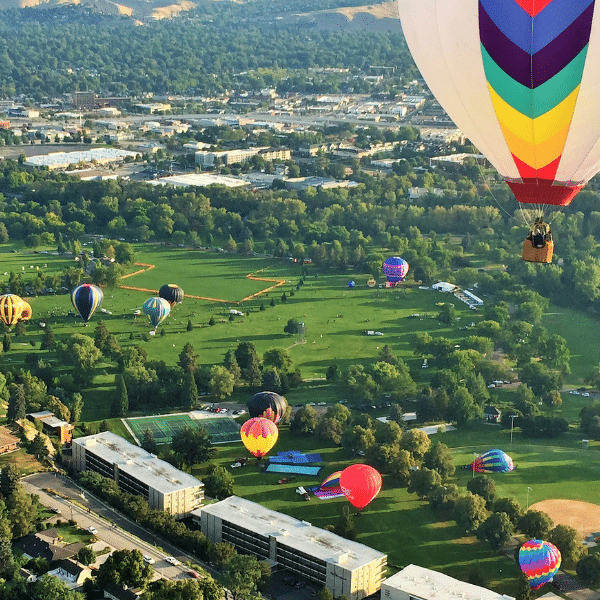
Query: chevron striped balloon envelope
x,y
520,79
539,561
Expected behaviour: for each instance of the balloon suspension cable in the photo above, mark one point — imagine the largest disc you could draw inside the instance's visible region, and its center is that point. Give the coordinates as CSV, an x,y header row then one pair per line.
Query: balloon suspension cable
x,y
489,189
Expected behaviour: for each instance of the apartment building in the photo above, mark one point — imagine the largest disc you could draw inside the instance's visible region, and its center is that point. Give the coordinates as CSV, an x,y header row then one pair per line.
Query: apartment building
x,y
343,566
139,472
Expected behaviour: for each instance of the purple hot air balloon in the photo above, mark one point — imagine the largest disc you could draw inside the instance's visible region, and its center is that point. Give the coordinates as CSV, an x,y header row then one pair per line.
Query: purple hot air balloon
x,y
395,268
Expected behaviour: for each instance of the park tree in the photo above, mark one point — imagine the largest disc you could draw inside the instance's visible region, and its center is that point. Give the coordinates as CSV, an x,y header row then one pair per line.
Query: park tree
x,y
86,556
252,373
462,407
76,406
345,525
245,353
358,439
292,327
21,511
389,433
359,382
568,541
101,336
523,588
511,507
221,554
305,421
6,342
9,479
422,481
188,358
394,380
381,456
80,352
188,393
397,415
120,404
588,569
218,483
59,409
222,382
241,576
324,594
469,511
439,457
339,413
535,524
329,430
38,446
192,445
278,358
401,466
148,442
443,497
231,364
496,530
417,442
49,587
447,314
271,379
484,486
124,567
539,378
17,403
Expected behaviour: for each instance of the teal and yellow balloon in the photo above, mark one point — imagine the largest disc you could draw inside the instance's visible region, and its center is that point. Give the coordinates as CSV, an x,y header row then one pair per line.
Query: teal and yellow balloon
x,y
157,310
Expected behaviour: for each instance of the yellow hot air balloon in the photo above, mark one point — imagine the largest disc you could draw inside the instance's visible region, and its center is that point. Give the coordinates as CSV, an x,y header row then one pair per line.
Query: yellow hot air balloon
x,y
259,436
14,309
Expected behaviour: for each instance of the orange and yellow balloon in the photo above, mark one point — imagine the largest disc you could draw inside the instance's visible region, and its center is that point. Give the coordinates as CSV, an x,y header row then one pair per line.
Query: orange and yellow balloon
x,y
14,309
259,435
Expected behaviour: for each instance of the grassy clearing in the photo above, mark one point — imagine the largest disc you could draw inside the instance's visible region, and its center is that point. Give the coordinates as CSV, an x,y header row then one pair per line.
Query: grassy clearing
x,y
26,463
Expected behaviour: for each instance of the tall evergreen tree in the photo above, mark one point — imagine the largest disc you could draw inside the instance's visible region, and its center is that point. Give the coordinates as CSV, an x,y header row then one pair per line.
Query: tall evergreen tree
x,y
101,335
76,407
189,391
17,403
120,405
231,364
148,441
187,359
6,342
9,479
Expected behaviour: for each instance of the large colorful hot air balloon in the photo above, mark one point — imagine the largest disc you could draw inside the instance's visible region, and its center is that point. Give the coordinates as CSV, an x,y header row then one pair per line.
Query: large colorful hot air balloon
x,y
360,484
494,461
395,268
157,310
14,309
330,488
86,298
520,79
539,561
259,436
269,405
172,293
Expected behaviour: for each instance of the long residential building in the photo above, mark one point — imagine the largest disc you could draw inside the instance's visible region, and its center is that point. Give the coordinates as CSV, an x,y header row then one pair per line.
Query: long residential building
x,y
418,583
343,566
241,155
139,472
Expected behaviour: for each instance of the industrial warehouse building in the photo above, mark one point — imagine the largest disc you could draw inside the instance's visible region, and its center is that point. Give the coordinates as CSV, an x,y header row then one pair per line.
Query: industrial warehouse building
x,y
139,472
418,583
343,566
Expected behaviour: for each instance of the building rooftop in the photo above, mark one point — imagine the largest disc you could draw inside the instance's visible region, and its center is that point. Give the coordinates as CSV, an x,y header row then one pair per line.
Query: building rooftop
x,y
199,179
136,462
431,585
86,156
300,535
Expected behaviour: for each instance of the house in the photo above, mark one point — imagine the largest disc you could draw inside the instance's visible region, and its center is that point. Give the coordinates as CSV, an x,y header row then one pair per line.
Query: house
x,y
491,414
118,592
8,442
28,576
46,546
53,426
72,573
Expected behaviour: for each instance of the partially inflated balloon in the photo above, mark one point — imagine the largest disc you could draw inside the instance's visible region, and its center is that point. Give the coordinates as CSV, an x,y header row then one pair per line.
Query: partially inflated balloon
x,y
495,461
539,561
520,79
395,268
172,293
86,298
270,405
157,310
259,436
13,309
360,484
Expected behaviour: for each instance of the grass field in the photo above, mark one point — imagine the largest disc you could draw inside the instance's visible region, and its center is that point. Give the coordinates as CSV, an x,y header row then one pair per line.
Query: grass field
x,y
411,531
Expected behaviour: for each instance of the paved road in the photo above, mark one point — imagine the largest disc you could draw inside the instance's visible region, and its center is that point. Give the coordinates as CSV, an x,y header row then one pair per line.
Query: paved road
x,y
113,528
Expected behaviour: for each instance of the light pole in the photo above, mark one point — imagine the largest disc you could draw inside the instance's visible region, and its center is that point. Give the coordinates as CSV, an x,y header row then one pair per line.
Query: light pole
x,y
528,490
512,423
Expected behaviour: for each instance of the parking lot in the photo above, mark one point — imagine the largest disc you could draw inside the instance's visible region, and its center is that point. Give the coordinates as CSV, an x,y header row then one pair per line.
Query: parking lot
x,y
284,585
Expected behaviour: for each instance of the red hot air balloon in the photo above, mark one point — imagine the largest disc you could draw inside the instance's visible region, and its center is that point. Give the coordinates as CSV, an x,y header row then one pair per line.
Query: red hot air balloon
x,y
360,484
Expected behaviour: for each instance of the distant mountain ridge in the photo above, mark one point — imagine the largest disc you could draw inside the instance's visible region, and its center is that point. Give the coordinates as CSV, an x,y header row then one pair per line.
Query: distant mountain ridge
x,y
371,17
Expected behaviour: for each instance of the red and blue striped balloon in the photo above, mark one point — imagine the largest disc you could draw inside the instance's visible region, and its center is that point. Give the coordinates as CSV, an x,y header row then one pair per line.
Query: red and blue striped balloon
x,y
539,561
395,268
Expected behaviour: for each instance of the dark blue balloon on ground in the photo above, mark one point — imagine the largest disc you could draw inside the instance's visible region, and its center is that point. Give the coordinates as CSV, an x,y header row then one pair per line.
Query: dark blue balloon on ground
x,y
351,284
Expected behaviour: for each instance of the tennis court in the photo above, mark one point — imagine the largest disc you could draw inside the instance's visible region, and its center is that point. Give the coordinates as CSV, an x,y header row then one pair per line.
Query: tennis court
x,y
163,427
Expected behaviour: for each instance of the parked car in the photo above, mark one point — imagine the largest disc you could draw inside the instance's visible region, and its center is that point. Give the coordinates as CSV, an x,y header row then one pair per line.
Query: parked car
x,y
148,559
92,530
194,574
172,560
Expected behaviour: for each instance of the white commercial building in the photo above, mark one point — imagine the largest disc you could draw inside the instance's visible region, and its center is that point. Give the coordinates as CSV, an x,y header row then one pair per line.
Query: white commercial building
x,y
443,286
418,583
343,566
139,472
62,160
199,179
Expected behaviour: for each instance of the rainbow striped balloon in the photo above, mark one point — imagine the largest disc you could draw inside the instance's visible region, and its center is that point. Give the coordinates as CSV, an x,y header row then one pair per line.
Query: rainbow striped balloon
x,y
520,79
539,561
